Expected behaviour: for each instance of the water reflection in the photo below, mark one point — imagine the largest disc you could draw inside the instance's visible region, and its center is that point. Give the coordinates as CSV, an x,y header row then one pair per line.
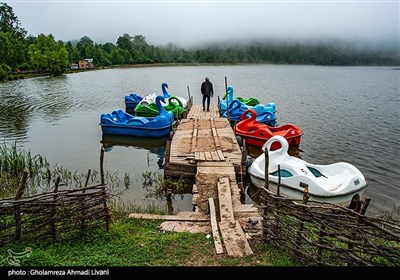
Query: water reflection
x,y
46,97
153,145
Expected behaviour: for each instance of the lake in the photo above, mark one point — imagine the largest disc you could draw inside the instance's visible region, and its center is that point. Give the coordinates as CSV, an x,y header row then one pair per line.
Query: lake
x,y
347,114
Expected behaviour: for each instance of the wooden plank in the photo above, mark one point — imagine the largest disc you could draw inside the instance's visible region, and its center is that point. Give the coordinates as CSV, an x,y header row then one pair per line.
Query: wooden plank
x,y
225,200
195,198
215,135
245,208
214,156
208,156
184,226
214,227
220,155
215,164
202,156
194,136
196,156
235,241
235,192
167,152
222,171
182,216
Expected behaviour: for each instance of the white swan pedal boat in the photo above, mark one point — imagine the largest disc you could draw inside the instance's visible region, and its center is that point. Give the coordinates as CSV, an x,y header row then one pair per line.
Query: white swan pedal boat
x,y
337,183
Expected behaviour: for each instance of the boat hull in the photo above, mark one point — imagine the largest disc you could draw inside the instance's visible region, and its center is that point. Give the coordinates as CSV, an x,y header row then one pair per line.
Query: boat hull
x,y
259,142
135,131
291,192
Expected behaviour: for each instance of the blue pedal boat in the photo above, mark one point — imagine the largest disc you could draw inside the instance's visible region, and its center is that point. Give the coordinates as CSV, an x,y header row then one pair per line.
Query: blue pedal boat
x,y
132,100
122,123
265,114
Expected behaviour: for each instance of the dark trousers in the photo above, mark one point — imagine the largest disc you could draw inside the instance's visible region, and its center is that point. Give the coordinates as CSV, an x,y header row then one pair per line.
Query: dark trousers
x,y
206,97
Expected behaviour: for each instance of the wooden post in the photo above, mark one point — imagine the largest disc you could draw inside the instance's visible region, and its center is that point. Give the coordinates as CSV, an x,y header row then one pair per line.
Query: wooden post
x,y
219,108
106,209
188,92
244,152
365,204
167,153
305,194
266,166
363,209
17,214
301,223
226,87
264,194
87,177
168,196
277,218
102,165
54,211
278,188
22,185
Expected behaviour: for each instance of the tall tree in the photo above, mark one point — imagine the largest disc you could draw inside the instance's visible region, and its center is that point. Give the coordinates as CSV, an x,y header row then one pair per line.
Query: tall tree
x,y
125,42
117,56
84,45
49,55
108,47
100,57
73,55
12,49
9,21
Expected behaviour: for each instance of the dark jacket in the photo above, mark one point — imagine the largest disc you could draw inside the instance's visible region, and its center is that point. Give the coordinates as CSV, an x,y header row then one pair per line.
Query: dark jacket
x,y
207,88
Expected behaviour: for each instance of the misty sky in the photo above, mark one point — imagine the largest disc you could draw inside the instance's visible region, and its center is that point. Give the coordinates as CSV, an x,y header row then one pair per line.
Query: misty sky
x,y
188,23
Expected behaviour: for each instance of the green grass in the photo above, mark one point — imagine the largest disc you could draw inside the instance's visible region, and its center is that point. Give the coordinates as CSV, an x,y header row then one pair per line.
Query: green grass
x,y
138,242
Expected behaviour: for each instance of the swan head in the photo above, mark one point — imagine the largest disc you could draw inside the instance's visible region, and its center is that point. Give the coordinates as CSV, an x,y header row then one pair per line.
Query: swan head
x,y
233,103
278,138
251,112
160,98
164,86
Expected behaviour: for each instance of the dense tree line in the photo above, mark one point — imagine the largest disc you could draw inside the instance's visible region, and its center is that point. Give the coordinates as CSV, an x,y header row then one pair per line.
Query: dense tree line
x,y
19,52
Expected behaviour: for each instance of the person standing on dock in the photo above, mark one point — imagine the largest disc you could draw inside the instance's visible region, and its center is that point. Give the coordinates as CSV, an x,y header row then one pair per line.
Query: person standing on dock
x,y
207,91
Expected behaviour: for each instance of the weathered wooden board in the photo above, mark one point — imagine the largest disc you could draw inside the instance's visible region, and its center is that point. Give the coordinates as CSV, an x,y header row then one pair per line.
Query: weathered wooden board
x,y
225,199
235,241
214,227
182,216
185,226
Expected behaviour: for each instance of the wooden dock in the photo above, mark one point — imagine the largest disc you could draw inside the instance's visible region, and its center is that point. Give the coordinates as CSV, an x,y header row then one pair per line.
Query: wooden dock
x,y
204,146
202,137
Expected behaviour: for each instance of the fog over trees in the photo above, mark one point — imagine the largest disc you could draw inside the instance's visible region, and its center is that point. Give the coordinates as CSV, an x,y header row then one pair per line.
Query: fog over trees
x,y
22,52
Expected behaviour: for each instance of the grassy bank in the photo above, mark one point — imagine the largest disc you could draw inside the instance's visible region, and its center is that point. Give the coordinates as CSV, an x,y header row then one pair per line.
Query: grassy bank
x,y
137,242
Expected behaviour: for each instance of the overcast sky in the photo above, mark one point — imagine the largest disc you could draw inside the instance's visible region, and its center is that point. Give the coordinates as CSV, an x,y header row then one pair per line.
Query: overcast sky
x,y
190,22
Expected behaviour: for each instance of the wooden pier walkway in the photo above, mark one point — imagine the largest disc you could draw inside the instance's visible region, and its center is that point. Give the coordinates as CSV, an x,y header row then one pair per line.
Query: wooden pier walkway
x,y
204,146
202,137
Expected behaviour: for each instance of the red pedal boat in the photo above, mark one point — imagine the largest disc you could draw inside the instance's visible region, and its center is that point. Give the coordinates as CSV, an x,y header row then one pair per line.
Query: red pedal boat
x,y
256,134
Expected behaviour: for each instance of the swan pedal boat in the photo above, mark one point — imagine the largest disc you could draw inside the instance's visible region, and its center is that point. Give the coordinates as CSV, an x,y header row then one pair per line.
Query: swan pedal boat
x,y
264,114
338,183
252,101
122,123
151,110
150,99
132,100
256,133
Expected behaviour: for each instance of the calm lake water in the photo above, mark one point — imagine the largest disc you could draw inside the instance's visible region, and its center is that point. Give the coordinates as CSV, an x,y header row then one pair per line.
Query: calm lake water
x,y
347,114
